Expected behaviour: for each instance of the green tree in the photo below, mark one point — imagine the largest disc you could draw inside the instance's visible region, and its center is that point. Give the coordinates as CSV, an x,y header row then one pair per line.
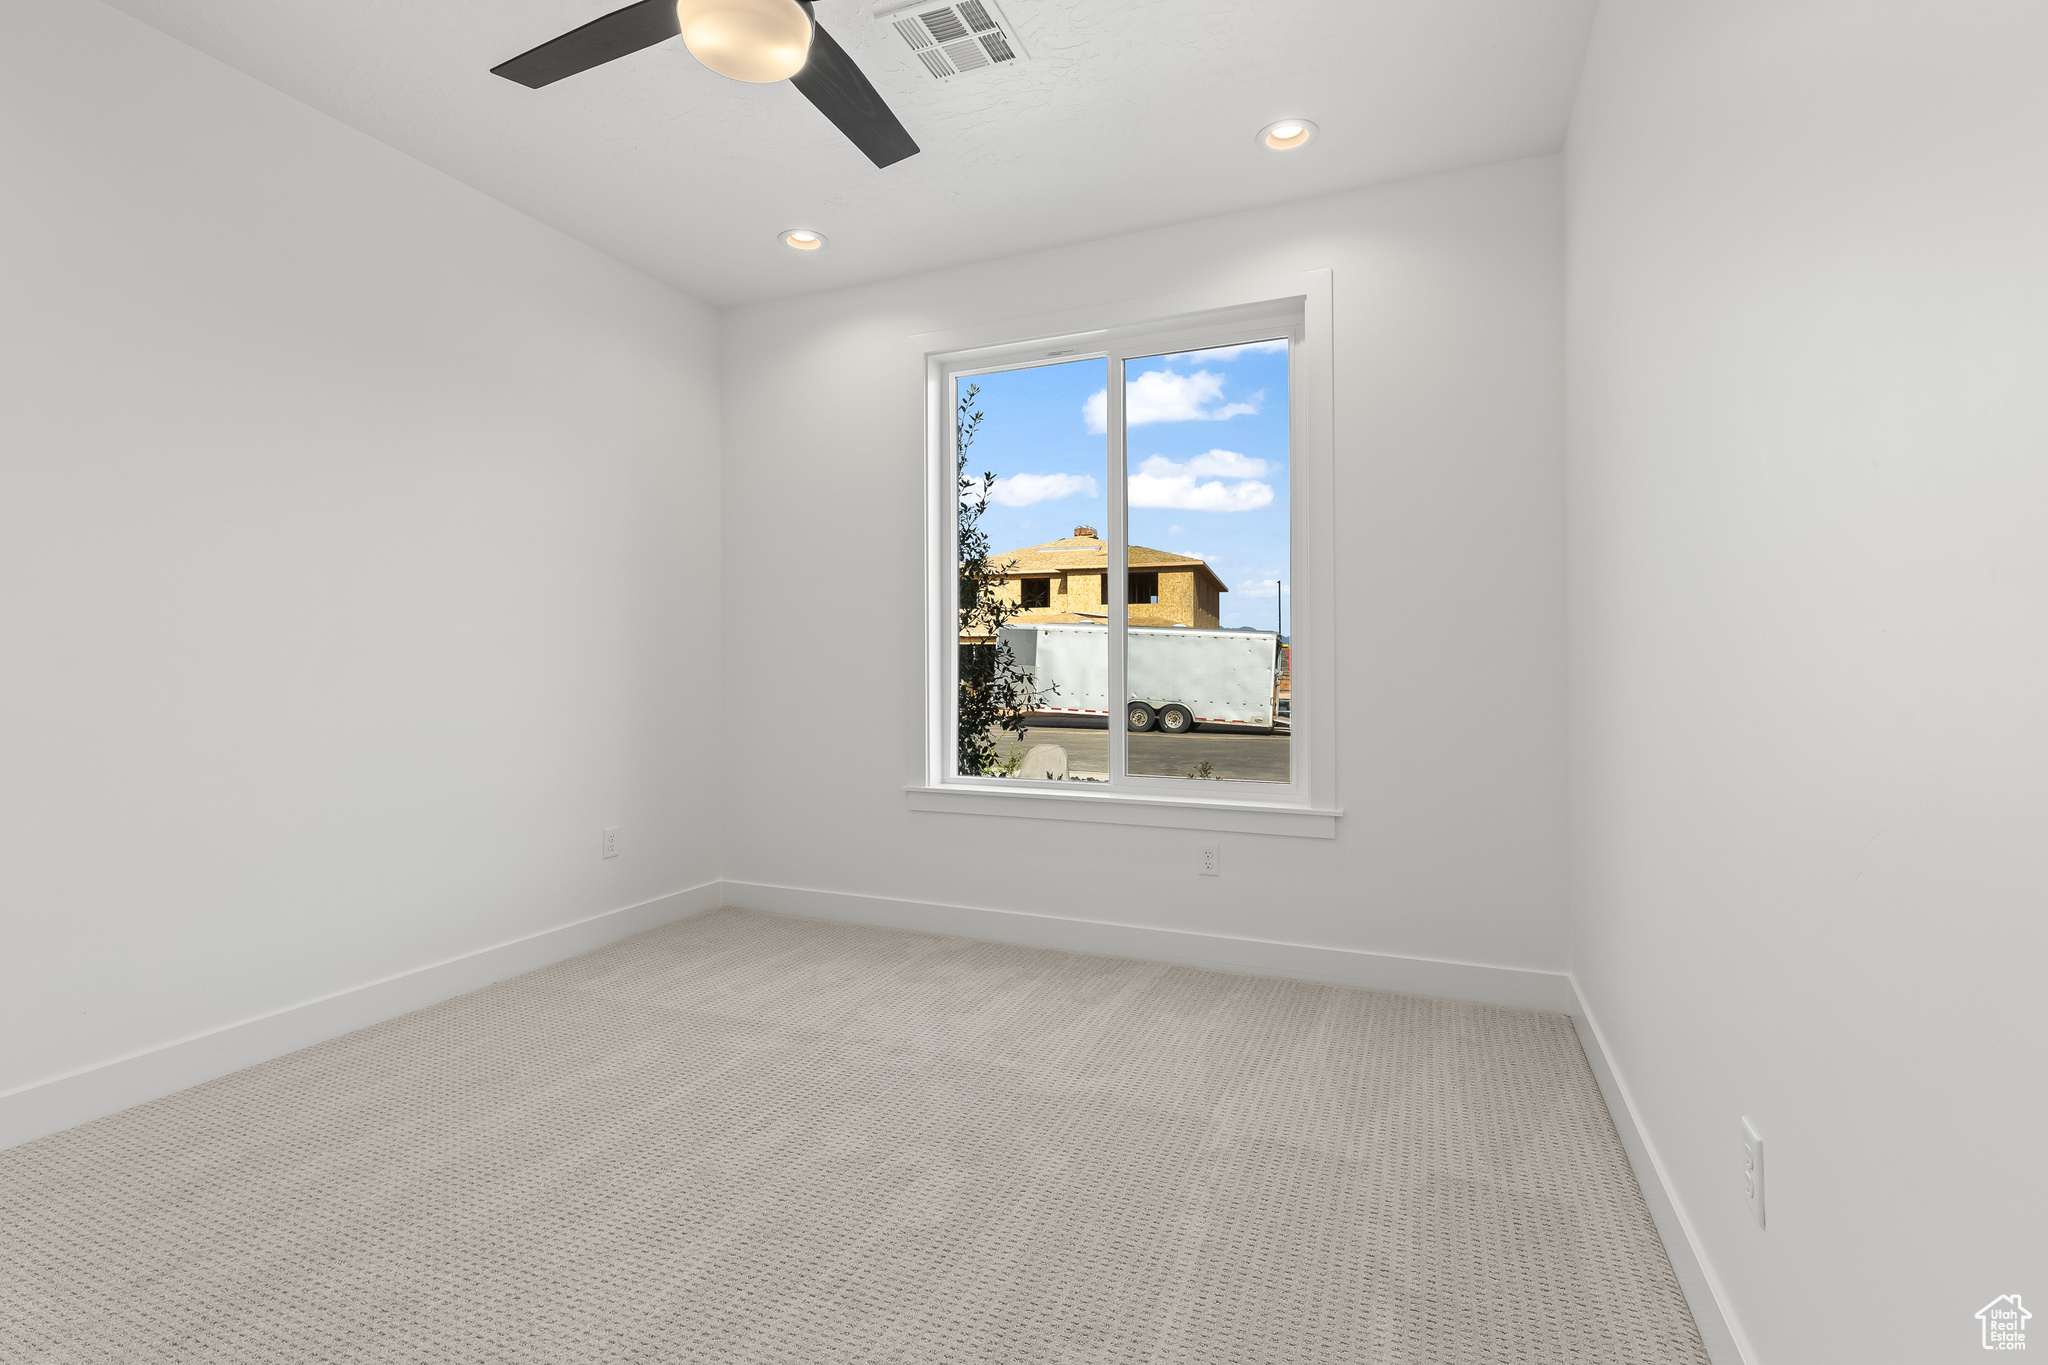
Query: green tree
x,y
995,690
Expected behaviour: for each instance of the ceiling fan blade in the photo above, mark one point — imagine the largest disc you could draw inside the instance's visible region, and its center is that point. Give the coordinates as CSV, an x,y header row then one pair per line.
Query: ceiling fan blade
x,y
831,81
618,34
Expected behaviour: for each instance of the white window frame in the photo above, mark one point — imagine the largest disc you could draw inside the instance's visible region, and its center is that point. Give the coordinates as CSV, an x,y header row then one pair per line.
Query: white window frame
x,y
1296,307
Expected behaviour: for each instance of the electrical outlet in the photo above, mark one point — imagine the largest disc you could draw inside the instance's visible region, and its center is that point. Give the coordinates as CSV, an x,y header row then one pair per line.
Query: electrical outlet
x,y
610,845
1211,862
1753,1170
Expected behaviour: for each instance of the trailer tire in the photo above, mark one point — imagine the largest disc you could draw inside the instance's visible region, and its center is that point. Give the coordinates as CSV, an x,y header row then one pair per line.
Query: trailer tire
x,y
1175,719
1139,717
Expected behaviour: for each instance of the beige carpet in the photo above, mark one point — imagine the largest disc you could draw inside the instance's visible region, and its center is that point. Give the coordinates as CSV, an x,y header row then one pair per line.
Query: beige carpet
x,y
751,1139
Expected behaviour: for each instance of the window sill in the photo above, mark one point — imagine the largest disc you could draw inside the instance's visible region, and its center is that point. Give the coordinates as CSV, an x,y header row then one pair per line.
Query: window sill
x,y
1122,808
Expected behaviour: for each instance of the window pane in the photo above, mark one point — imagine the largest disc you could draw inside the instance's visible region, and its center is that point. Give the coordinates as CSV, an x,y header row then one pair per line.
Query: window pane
x,y
1033,693
1210,563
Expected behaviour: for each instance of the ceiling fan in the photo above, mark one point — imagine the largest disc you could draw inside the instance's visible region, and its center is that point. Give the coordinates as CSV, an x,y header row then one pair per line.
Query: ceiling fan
x,y
748,40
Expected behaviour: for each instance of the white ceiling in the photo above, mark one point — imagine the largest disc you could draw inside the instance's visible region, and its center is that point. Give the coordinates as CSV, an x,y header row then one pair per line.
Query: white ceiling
x,y
1129,114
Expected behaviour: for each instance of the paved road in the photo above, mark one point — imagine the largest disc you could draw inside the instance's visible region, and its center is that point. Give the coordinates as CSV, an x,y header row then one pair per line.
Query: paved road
x,y
1244,755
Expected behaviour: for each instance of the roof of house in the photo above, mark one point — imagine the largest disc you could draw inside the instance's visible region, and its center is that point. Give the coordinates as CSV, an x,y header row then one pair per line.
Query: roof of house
x,y
1045,616
1088,552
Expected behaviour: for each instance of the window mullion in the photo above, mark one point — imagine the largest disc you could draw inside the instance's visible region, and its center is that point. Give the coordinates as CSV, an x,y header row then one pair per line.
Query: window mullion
x,y
1117,573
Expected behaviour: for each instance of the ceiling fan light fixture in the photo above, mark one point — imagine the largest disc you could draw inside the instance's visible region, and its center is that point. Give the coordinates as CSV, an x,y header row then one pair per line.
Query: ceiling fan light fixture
x,y
812,61
748,40
1287,134
803,239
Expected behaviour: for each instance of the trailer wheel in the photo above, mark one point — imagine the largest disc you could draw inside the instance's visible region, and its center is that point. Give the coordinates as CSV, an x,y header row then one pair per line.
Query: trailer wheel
x,y
1175,719
1140,717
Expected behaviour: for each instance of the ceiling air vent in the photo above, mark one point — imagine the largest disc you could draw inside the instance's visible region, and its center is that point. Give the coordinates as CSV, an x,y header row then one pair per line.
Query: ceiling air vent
x,y
954,39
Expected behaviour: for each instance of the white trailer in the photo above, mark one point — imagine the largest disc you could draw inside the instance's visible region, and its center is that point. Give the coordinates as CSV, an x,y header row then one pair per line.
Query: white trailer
x,y
1179,678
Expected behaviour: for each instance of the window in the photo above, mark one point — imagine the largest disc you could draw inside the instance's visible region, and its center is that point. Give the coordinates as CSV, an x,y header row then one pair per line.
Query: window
x,y
1117,615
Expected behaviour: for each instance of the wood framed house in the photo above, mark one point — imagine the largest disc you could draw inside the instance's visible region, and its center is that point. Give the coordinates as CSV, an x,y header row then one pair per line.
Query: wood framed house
x,y
1067,580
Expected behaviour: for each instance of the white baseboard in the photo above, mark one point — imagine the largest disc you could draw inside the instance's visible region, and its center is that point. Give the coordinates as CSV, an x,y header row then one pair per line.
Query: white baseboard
x,y
64,1101
1524,988
1719,1330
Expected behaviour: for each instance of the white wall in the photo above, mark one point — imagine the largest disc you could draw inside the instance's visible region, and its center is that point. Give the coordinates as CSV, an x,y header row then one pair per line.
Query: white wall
x,y
1809,543
1448,302
358,556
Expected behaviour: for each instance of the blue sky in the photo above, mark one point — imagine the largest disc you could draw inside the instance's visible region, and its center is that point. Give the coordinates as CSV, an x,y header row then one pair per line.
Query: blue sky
x,y
1208,461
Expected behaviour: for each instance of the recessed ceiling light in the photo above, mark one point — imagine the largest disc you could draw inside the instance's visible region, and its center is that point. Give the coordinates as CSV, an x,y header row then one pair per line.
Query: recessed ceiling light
x,y
748,40
803,239
1287,134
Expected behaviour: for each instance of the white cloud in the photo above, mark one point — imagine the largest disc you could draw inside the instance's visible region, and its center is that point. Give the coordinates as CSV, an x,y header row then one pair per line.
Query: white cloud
x,y
1160,482
1263,587
1095,412
1168,396
1164,396
1224,464
1021,490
